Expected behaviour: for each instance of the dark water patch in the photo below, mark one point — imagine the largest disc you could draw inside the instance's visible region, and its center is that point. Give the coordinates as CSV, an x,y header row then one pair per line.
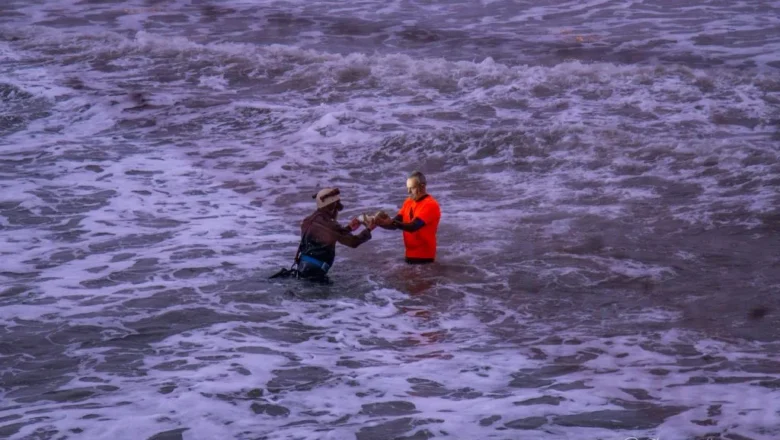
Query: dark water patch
x,y
671,192
535,378
192,254
524,381
168,19
71,334
96,269
487,421
144,173
91,379
635,112
191,272
156,328
10,92
130,241
727,380
700,361
734,116
393,408
253,165
36,363
8,430
270,410
631,170
147,220
463,394
20,275
733,38
648,417
356,27
18,216
14,291
122,363
526,423
580,357
761,366
288,19
544,400
298,379
577,385
7,418
174,434
638,393
252,395
735,180
122,256
266,350
99,283
289,332
64,21
356,364
597,94
35,383
70,224
11,123
167,389
225,152
141,271
415,34
65,202
482,111
394,429
771,384
210,13
70,236
177,365
427,388
240,120
74,394
85,153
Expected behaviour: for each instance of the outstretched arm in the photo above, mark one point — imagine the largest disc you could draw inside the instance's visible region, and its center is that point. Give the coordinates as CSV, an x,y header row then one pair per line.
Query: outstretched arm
x,y
412,226
396,223
346,238
388,223
354,241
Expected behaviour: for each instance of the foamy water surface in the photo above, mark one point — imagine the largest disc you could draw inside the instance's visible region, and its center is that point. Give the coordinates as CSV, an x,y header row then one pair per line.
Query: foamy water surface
x,y
607,266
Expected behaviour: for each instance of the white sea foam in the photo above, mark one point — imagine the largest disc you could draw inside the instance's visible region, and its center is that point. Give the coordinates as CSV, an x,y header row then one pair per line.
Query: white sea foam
x,y
158,175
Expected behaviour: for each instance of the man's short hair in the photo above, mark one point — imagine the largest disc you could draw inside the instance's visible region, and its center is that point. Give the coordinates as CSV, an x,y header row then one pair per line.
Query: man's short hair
x,y
419,176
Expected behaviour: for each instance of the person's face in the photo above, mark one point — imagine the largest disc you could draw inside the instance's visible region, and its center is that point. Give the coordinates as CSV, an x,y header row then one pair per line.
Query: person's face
x,y
334,208
414,189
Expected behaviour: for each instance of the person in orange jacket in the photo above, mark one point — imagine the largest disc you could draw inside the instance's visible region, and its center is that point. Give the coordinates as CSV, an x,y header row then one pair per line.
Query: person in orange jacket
x,y
418,218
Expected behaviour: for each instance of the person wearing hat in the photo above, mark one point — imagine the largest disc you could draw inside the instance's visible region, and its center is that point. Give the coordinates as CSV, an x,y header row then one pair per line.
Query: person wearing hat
x,y
320,232
418,218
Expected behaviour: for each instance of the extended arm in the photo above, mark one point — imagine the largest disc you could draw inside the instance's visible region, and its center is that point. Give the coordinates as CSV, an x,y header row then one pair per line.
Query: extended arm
x,y
389,223
347,239
396,223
